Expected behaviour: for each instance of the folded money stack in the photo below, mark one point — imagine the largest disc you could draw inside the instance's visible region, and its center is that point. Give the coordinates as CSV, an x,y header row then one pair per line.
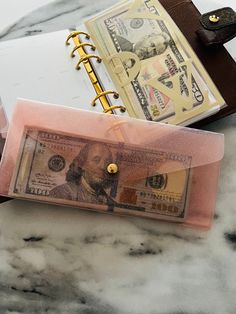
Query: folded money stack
x,y
156,72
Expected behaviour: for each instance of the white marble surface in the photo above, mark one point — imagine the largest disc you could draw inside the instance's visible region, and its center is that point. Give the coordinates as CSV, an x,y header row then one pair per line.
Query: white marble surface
x,y
61,260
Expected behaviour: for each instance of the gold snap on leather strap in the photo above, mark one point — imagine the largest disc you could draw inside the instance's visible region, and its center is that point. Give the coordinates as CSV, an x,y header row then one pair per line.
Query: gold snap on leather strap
x,y
214,19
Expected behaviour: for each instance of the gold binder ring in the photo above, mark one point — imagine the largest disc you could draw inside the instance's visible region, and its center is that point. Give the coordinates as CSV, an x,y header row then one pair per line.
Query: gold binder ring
x,y
86,58
106,92
81,45
122,108
74,34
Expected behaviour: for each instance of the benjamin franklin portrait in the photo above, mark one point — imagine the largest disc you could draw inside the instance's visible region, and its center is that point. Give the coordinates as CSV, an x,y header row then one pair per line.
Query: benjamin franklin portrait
x,y
149,46
87,177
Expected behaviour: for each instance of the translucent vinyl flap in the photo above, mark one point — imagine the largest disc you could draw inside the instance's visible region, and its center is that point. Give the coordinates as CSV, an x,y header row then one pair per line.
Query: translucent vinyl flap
x,y
139,148
3,121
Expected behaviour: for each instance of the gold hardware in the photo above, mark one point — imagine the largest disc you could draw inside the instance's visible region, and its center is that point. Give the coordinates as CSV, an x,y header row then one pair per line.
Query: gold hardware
x,y
122,108
112,168
88,67
74,34
214,18
81,45
86,58
106,92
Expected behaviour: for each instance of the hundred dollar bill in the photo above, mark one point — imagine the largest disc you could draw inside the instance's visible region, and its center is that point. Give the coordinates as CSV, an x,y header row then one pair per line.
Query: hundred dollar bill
x,y
155,70
72,170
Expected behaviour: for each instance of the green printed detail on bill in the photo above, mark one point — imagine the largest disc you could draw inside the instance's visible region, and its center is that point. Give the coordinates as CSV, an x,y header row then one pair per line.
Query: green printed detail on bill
x,y
155,70
72,170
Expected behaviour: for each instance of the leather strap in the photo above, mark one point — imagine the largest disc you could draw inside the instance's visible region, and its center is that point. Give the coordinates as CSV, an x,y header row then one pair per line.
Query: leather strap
x,y
219,26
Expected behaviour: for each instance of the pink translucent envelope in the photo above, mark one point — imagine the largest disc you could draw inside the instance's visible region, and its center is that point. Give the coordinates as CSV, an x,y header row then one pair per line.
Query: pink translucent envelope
x,y
3,127
164,171
3,121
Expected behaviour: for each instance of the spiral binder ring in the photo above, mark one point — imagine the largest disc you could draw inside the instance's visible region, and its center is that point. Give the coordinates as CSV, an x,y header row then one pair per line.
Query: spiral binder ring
x,y
86,58
81,45
122,109
74,34
106,92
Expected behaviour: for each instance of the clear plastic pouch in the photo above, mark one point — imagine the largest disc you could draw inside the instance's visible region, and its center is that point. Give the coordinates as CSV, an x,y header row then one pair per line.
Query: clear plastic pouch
x,y
111,164
3,127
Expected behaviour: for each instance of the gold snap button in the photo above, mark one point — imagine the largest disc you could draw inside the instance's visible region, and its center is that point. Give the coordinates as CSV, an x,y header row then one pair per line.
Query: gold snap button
x,y
214,18
112,168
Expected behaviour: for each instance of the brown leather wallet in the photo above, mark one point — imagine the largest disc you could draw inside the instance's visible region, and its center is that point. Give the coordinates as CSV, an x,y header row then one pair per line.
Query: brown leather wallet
x,y
216,59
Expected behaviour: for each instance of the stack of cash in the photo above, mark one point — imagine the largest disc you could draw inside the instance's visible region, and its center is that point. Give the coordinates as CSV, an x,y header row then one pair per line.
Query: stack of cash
x,y
155,70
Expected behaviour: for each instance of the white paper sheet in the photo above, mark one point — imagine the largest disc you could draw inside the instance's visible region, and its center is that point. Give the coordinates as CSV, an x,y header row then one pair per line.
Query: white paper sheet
x,y
40,68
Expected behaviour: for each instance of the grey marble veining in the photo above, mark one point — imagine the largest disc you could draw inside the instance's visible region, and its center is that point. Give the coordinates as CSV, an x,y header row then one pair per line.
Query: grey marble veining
x,y
62,260
55,16
57,260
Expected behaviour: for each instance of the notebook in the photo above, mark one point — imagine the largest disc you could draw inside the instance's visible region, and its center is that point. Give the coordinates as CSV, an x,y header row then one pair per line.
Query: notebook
x,y
41,68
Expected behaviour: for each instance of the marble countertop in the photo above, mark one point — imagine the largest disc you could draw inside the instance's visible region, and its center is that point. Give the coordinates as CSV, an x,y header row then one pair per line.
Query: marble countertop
x,y
62,260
